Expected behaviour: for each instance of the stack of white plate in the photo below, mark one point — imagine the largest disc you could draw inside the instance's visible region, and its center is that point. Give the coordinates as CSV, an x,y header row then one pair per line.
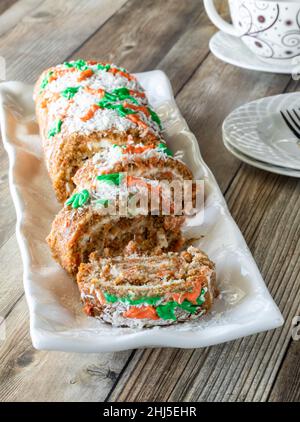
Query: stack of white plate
x,y
257,134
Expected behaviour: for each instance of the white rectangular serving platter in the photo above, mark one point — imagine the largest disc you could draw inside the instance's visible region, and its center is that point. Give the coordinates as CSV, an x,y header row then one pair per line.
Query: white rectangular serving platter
x,y
56,321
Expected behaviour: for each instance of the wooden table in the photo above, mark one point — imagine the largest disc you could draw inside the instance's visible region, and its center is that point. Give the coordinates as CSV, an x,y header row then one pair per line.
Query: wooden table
x,y
171,35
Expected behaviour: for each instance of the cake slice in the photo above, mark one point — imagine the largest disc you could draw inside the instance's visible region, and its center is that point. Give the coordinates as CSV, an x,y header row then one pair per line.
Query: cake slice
x,y
114,215
144,291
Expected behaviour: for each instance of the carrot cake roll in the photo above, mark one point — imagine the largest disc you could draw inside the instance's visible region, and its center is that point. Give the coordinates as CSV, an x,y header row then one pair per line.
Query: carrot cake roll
x,y
144,291
113,214
83,106
152,161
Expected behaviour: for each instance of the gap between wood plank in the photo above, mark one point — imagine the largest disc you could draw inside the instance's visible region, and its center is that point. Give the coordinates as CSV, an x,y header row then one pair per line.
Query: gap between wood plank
x,y
238,168
6,4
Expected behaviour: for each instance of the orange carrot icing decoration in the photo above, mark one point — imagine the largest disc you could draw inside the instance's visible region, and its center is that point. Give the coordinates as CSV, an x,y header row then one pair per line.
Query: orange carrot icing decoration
x,y
135,119
137,93
101,297
88,309
90,113
143,109
114,70
137,181
46,101
133,149
85,74
133,181
99,91
60,72
193,295
141,312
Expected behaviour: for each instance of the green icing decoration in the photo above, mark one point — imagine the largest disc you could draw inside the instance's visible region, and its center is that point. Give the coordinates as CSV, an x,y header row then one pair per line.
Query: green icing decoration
x,y
118,94
166,311
201,299
56,129
123,112
163,148
107,67
128,299
78,199
68,64
155,117
122,94
70,92
119,146
78,64
188,306
110,298
45,81
103,67
114,178
148,300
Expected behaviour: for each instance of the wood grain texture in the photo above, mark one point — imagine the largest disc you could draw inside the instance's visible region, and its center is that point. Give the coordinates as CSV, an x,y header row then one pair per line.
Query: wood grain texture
x,y
50,32
28,374
11,283
205,114
155,42
287,385
5,4
173,36
13,11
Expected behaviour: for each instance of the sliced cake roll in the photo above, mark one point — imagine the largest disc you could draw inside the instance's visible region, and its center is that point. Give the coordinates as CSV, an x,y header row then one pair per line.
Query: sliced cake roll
x,y
144,291
152,161
83,106
115,214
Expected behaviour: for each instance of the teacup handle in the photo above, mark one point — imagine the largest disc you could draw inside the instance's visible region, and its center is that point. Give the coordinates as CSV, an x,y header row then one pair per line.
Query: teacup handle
x,y
218,21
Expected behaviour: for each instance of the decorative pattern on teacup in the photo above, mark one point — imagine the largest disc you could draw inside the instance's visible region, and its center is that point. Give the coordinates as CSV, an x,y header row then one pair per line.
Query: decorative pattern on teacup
x,y
270,29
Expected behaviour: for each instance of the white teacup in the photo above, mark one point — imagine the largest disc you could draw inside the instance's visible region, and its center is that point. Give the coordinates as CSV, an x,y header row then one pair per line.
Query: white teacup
x,y
269,28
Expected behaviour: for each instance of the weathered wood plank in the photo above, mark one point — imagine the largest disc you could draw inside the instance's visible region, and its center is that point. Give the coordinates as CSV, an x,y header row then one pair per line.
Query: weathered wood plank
x,y
136,46
5,4
210,95
12,11
287,385
51,32
266,208
11,285
31,375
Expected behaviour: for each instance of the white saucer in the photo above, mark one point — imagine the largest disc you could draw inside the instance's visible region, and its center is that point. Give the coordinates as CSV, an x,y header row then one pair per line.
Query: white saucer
x,y
232,50
258,130
259,164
